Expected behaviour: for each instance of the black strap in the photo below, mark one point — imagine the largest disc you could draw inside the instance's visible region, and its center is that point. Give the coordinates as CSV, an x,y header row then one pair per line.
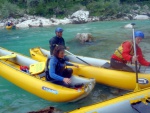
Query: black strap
x,y
47,63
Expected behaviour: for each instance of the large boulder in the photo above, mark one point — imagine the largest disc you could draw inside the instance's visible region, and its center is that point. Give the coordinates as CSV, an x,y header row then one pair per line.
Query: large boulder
x,y
44,22
24,24
84,37
80,17
141,17
39,22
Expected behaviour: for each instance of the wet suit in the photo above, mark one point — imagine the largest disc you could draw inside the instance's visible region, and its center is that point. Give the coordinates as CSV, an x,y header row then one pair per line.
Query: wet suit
x,y
56,41
58,70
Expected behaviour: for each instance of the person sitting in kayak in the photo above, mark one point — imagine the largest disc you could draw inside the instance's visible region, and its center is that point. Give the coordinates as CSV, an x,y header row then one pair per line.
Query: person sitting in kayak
x,y
11,23
125,53
8,24
57,40
58,73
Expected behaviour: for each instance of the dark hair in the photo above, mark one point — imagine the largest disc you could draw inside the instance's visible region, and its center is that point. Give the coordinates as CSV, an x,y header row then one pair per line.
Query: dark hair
x,y
57,49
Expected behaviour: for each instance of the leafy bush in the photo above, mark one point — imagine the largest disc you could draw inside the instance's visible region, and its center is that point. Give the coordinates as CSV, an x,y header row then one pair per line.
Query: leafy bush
x,y
62,8
10,10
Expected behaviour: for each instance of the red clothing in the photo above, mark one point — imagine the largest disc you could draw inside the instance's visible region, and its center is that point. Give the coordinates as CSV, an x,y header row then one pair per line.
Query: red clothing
x,y
128,58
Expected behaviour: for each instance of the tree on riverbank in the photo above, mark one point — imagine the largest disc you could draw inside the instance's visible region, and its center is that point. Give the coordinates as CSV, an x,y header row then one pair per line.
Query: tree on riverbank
x,y
62,8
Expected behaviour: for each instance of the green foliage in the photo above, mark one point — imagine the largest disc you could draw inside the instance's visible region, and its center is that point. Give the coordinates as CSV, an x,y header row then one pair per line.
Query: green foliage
x,y
103,7
62,8
9,10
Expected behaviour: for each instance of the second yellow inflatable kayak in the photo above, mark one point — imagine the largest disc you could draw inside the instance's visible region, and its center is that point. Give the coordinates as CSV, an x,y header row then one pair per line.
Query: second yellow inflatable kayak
x,y
101,71
135,102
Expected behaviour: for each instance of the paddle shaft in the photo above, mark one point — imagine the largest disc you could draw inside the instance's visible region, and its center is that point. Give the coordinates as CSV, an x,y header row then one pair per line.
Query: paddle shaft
x,y
77,57
136,70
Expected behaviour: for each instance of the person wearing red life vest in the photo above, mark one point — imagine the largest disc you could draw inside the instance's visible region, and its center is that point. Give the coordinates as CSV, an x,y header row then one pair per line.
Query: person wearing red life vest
x,y
125,54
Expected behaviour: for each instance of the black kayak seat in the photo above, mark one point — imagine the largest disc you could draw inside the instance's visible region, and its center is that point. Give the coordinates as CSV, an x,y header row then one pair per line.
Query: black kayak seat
x,y
107,65
141,107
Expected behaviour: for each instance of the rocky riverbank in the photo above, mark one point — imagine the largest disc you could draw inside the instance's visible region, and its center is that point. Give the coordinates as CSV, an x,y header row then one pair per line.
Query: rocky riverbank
x,y
78,17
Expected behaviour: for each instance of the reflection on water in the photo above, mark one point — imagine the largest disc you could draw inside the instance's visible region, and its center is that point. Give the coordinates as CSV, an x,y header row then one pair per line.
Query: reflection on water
x,y
108,36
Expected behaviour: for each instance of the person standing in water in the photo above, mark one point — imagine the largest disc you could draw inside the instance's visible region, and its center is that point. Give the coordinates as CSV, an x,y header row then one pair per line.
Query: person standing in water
x,y
57,40
125,53
58,72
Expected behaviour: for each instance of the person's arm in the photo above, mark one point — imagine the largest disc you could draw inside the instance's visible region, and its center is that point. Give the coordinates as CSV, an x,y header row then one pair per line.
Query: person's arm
x,y
141,59
126,51
70,64
52,72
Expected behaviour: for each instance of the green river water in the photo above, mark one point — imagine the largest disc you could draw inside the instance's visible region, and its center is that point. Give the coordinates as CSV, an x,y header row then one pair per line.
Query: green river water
x,y
108,36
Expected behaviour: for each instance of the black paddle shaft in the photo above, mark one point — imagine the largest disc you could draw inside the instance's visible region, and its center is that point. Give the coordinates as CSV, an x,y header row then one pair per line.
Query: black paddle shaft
x,y
83,60
136,68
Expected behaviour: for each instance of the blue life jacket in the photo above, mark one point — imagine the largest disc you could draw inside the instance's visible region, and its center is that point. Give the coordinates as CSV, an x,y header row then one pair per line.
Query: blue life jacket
x,y
58,70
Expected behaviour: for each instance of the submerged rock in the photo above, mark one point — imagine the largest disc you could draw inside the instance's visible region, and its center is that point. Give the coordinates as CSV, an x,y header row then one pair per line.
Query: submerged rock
x,y
84,37
141,17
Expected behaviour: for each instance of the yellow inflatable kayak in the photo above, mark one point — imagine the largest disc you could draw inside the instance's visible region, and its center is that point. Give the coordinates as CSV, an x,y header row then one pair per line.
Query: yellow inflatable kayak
x,y
101,71
9,27
128,103
34,81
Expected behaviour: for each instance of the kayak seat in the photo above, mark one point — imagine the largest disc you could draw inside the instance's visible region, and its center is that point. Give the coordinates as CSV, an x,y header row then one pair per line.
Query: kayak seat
x,y
107,65
37,68
38,51
12,55
141,107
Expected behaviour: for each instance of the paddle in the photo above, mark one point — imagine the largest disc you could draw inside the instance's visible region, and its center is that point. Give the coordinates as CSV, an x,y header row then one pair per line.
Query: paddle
x,y
136,70
77,57
74,55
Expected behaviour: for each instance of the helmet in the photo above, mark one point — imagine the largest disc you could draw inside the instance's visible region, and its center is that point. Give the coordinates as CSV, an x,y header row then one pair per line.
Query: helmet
x,y
139,34
58,29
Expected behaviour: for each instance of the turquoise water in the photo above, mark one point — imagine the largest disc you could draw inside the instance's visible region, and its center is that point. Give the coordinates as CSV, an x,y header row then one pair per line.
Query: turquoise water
x,y
108,36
